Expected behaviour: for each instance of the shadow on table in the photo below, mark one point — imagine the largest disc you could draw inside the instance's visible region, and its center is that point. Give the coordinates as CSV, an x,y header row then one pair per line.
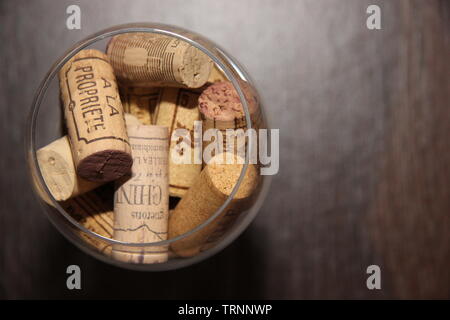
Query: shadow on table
x,y
234,273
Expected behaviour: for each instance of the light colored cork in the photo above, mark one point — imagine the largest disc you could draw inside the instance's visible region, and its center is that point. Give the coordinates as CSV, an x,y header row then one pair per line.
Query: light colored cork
x,y
140,102
91,212
209,191
94,117
221,108
141,202
57,168
216,75
149,59
178,109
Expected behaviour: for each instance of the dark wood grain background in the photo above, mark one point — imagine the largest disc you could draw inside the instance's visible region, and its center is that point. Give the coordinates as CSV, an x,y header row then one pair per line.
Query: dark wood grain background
x,y
365,129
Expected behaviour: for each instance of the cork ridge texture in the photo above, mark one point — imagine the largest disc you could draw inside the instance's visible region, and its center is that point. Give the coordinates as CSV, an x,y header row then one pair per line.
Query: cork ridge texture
x,y
144,59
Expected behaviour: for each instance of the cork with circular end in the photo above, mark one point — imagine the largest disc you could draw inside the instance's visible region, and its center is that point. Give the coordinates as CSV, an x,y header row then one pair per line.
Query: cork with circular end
x,y
94,117
178,110
208,192
57,168
221,108
149,59
56,164
141,201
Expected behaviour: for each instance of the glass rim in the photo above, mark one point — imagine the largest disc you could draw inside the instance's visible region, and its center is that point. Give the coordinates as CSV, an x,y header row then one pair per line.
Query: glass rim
x,y
164,29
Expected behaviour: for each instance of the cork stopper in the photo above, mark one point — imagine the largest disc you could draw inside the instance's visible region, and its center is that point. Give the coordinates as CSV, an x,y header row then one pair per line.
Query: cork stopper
x,y
221,108
223,178
57,168
94,117
141,201
149,59
178,109
208,192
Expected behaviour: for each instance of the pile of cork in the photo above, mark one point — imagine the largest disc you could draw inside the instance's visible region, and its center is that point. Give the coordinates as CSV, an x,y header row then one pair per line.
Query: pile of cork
x,y
114,171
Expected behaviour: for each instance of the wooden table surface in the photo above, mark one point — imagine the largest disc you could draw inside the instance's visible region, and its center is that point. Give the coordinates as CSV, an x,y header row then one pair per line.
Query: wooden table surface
x,y
364,118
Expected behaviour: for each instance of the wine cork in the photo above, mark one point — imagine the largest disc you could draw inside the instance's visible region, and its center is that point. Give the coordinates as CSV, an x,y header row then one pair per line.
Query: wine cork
x,y
57,168
221,108
141,202
95,214
141,102
148,59
178,109
216,75
208,192
94,117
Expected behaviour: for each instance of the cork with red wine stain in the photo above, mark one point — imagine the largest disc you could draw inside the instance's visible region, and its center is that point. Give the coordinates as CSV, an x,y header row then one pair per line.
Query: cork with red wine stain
x,y
105,165
221,108
94,117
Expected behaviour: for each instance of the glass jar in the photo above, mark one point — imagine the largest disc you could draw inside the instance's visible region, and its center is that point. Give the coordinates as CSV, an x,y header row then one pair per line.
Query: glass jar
x,y
46,124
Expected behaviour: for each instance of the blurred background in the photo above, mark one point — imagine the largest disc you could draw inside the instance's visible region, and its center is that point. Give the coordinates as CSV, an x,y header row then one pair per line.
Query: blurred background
x,y
364,118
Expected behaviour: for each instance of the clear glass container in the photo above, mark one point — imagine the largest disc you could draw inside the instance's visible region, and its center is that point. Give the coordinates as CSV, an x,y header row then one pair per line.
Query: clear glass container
x,y
46,124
